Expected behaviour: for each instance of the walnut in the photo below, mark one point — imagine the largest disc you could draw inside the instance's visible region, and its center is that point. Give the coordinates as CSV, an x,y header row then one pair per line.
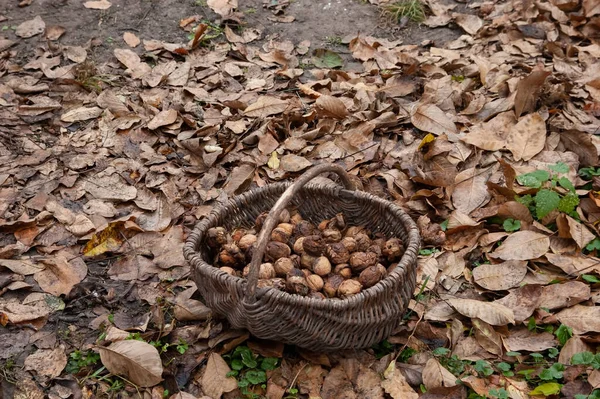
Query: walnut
x,y
216,237
298,246
231,256
337,253
316,295
307,261
331,285
246,241
281,233
353,231
348,288
297,285
313,245
277,283
362,242
337,222
343,270
321,266
266,271
359,261
372,275
304,229
238,234
349,243
315,282
393,249
276,250
283,266
332,235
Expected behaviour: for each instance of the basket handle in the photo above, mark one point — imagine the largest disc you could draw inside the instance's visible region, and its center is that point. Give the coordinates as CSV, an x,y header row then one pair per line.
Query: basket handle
x,y
273,217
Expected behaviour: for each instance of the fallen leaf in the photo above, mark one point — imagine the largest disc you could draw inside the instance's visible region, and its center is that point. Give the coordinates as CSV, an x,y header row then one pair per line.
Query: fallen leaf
x,y
469,22
523,301
265,106
574,264
525,340
435,375
31,27
581,319
527,138
131,39
294,163
324,58
138,361
163,118
48,363
430,118
487,337
332,107
528,91
470,191
573,346
214,380
60,275
523,245
490,312
581,144
558,296
98,5
81,114
53,32
578,232
222,7
500,276
111,187
396,385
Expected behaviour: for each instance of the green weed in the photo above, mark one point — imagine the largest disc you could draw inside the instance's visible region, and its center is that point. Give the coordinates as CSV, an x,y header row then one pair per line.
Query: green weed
x,y
411,9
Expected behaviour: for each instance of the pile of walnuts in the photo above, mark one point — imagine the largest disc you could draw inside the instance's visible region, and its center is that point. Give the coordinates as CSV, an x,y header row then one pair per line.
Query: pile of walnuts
x,y
331,260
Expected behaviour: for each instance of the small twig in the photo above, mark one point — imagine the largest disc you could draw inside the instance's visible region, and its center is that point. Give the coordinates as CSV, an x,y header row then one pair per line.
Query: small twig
x,y
361,150
297,375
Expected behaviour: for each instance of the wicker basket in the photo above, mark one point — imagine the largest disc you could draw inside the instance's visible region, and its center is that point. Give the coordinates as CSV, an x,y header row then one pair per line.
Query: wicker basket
x,y
316,324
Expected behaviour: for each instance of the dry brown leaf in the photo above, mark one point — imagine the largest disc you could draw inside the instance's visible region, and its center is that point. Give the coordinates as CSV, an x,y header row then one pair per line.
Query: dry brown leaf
x,y
23,267
500,276
266,106
294,163
574,264
591,7
337,385
131,39
523,245
491,135
487,337
396,385
60,276
53,32
239,178
163,118
471,191
469,22
579,232
523,339
430,118
361,50
222,7
158,220
138,361
523,301
214,380
572,346
581,319
558,296
48,363
132,61
187,309
528,91
98,4
527,138
31,27
111,187
581,144
81,114
435,375
331,107
490,312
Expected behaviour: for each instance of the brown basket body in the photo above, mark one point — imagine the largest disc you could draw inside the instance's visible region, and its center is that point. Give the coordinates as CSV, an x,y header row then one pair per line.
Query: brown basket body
x,y
316,324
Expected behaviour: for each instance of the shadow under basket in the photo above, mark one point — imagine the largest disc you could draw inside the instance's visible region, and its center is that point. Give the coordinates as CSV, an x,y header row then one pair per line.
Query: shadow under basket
x,y
356,322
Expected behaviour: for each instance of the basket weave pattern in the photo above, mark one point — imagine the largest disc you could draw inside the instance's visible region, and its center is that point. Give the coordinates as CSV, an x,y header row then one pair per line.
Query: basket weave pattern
x,y
317,324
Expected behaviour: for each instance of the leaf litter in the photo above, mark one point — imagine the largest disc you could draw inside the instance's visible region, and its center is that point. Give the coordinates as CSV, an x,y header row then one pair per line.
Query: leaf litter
x,y
488,141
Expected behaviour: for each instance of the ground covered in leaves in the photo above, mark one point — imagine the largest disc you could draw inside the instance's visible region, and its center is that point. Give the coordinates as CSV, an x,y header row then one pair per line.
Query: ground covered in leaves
x,y
486,138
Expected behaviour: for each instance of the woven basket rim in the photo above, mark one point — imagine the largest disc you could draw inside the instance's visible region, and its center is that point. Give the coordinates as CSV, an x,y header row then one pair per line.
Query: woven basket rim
x,y
408,258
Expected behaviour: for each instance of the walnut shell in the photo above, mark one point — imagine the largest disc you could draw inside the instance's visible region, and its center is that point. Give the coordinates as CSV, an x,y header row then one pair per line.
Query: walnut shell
x,y
237,234
372,275
260,220
306,272
393,249
313,245
343,270
266,271
307,261
280,234
284,216
362,242
348,288
298,246
321,266
349,243
295,273
337,222
296,218
246,241
337,253
376,249
276,250
352,231
316,295
297,285
231,256
332,235
315,282
359,261
331,285
277,283
283,266
216,237
304,229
